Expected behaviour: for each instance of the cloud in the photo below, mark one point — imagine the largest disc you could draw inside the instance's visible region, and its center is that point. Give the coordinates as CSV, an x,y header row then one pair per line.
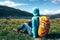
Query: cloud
x,y
46,12
49,12
55,1
11,4
57,11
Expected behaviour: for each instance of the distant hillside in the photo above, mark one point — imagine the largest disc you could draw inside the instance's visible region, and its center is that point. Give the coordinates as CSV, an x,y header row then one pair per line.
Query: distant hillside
x,y
13,13
54,16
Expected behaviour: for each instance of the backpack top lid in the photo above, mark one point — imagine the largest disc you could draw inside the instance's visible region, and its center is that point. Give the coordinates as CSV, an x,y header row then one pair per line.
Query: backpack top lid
x,y
36,11
44,19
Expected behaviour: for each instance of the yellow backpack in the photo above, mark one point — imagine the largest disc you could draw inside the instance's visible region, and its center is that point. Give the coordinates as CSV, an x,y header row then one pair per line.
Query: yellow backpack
x,y
43,26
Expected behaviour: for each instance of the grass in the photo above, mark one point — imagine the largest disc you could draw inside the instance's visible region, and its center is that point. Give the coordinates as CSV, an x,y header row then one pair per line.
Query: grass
x,y
7,33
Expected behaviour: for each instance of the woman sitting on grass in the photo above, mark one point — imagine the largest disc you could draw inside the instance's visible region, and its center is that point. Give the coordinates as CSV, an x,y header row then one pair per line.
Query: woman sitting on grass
x,y
31,25
34,26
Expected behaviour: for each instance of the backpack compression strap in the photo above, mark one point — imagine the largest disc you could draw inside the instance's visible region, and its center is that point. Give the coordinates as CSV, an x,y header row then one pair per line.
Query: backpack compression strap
x,y
43,22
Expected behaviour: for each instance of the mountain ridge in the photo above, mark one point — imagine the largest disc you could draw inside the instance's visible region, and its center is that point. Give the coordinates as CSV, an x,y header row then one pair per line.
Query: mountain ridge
x,y
12,12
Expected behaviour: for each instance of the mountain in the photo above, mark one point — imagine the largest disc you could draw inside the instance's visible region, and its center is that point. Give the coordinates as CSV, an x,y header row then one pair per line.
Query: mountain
x,y
13,13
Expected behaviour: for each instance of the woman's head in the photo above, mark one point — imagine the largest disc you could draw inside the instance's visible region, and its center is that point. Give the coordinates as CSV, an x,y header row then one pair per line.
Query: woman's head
x,y
36,11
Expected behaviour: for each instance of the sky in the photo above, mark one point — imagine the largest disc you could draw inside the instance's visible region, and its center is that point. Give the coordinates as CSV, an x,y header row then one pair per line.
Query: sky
x,y
46,7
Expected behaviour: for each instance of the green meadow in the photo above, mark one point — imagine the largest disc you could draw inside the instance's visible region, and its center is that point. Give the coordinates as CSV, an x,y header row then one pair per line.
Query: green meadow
x,y
7,33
